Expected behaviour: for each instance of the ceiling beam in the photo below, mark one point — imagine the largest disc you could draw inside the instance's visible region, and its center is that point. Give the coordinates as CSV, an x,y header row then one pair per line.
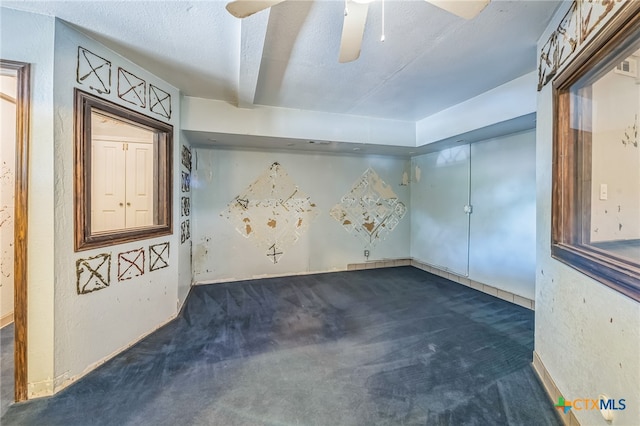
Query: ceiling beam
x,y
253,31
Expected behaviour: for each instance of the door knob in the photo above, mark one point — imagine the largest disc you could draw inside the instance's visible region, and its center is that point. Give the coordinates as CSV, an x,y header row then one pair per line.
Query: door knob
x,y
128,204
121,204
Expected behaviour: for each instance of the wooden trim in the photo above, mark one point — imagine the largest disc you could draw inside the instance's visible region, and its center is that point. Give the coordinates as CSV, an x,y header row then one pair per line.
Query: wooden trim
x,y
6,320
572,154
84,238
21,215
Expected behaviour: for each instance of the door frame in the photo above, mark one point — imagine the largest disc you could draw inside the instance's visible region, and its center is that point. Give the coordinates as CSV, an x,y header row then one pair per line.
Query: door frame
x,y
23,108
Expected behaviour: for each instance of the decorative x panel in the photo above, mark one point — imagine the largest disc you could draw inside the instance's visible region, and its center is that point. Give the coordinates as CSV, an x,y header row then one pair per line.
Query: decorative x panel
x,y
159,102
93,273
371,210
186,206
131,88
158,256
93,71
273,212
130,264
186,157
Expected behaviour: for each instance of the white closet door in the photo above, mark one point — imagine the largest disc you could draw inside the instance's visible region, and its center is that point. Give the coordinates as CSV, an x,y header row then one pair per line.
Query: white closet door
x,y
139,189
439,224
108,181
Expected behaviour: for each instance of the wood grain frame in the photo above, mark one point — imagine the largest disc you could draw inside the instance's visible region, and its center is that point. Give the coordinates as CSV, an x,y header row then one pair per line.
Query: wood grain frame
x,y
85,103
572,165
21,214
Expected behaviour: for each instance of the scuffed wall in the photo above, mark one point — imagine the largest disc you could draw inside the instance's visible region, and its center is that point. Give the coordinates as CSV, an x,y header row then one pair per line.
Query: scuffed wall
x,y
108,298
248,203
586,334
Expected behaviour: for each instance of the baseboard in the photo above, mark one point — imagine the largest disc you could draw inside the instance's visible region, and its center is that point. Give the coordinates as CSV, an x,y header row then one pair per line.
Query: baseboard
x,y
62,381
375,264
569,419
485,288
6,320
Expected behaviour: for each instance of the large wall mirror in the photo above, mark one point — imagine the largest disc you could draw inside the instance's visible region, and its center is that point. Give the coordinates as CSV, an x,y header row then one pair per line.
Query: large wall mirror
x,y
596,213
123,174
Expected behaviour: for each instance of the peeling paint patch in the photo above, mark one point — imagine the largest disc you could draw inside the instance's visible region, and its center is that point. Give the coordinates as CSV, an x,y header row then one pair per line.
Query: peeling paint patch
x,y
273,211
370,210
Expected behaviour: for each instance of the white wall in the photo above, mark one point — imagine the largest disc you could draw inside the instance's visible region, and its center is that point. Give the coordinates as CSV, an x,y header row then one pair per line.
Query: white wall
x,y
586,334
29,38
7,196
616,108
495,245
91,327
221,253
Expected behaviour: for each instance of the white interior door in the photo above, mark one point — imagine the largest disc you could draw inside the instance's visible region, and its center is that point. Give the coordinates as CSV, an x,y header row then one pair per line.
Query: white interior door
x,y
139,187
109,191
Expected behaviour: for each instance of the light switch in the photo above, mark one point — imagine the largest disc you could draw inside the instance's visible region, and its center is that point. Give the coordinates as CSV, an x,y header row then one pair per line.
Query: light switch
x,y
604,191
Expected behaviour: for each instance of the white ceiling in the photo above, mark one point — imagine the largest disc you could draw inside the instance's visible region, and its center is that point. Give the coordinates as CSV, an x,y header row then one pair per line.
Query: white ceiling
x,y
288,56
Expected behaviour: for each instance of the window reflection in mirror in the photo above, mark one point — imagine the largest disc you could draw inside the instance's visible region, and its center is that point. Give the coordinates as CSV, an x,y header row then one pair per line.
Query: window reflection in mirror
x,y
596,178
122,157
123,174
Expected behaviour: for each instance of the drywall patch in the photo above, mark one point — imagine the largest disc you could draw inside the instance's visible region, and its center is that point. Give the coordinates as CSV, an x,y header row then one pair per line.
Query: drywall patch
x,y
186,206
158,256
132,88
159,102
186,157
185,231
130,264
93,273
186,182
370,210
273,211
582,21
631,134
93,71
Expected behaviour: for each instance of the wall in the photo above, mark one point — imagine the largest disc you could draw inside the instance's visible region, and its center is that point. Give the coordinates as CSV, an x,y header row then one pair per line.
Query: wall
x,y
495,244
29,38
7,196
90,327
615,164
586,334
223,253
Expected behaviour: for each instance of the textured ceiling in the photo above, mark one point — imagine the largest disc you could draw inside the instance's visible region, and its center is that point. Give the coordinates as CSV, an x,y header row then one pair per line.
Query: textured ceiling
x,y
288,56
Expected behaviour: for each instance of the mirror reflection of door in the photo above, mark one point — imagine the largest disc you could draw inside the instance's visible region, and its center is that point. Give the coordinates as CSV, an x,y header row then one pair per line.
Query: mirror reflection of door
x,y
8,88
122,163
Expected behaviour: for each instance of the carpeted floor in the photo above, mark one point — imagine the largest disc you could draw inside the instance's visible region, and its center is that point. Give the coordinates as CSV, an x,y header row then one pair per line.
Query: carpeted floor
x,y
6,368
395,346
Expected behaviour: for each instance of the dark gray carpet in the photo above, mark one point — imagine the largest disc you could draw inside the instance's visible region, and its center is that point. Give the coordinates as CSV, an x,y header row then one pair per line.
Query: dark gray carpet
x,y
6,367
392,346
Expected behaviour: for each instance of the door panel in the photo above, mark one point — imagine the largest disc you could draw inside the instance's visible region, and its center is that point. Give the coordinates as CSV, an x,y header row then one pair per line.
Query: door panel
x,y
140,197
502,240
440,226
108,180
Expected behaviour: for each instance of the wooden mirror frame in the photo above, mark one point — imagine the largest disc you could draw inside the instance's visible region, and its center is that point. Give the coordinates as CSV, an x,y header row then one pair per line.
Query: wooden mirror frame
x,y
85,103
572,168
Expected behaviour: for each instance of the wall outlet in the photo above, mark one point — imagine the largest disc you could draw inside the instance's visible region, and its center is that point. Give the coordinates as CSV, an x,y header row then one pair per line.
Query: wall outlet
x,y
366,254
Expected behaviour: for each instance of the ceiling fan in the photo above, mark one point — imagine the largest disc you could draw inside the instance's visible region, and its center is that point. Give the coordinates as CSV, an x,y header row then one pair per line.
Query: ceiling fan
x,y
355,17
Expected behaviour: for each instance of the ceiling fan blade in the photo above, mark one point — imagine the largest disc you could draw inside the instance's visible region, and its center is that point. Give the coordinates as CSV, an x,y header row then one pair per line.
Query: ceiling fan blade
x,y
353,30
244,8
467,9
